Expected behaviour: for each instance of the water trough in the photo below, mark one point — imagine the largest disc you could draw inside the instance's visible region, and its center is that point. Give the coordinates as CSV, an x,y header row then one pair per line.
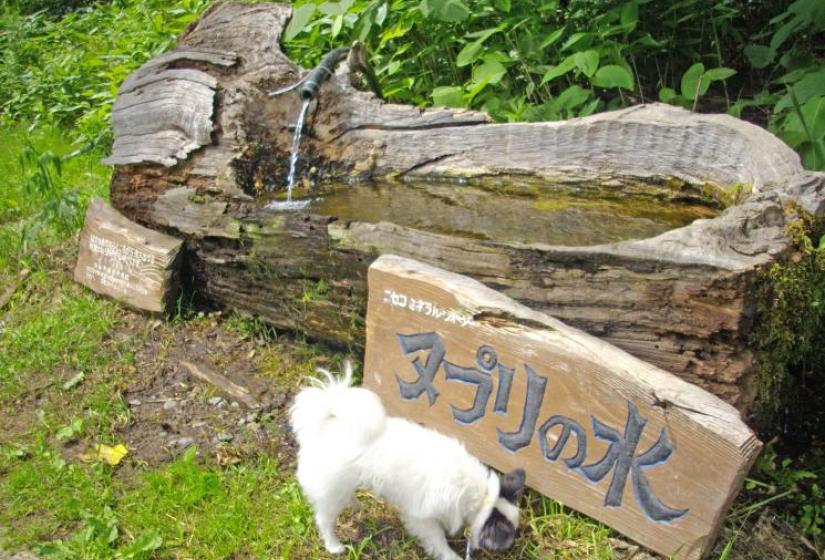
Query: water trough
x,y
705,199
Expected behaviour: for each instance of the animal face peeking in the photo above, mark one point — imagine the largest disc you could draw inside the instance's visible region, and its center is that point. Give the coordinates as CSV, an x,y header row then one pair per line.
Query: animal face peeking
x,y
499,529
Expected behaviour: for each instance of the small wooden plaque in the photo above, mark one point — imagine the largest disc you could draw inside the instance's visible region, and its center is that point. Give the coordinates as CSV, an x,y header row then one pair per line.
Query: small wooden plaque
x,y
126,261
601,431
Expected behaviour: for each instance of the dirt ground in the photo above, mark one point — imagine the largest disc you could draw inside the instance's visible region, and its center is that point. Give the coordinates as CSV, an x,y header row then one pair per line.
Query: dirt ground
x,y
171,410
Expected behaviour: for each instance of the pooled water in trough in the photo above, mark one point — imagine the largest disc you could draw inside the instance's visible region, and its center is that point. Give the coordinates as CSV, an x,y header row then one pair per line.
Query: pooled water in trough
x,y
558,216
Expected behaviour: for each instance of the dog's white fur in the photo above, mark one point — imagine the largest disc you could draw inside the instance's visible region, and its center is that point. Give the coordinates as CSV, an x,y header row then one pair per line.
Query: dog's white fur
x,y
347,441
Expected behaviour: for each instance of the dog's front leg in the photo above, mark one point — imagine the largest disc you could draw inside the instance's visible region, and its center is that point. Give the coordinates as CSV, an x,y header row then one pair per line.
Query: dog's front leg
x,y
325,516
430,534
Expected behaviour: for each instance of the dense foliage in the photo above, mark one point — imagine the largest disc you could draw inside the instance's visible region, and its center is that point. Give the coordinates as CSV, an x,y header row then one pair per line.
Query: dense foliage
x,y
555,59
66,70
525,60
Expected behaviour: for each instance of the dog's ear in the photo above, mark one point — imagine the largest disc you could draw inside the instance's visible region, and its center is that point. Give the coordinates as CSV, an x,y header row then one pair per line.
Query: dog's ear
x,y
497,533
512,485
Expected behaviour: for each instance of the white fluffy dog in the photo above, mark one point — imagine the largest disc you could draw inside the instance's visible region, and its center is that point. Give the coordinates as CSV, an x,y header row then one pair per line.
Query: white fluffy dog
x,y
347,441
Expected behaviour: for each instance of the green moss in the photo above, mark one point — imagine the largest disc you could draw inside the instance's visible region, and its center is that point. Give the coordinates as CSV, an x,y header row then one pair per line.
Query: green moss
x,y
789,335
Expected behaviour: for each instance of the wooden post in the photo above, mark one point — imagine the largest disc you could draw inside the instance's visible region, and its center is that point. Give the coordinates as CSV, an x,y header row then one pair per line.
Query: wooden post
x,y
126,261
603,432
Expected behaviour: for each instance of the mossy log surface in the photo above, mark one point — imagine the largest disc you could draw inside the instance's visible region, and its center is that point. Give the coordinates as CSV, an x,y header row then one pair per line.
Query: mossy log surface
x,y
197,137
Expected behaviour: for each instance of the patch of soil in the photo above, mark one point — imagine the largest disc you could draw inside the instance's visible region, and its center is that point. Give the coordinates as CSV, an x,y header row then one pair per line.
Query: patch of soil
x,y
172,411
766,537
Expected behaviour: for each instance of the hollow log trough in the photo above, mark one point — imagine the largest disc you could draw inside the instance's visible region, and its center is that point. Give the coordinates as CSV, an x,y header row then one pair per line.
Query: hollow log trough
x,y
198,139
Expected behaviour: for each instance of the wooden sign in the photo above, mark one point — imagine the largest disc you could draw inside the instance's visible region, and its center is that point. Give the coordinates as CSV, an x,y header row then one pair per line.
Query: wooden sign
x,y
603,432
126,261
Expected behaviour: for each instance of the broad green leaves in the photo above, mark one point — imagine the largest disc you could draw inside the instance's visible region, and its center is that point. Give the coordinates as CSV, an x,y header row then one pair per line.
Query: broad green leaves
x,y
613,76
696,80
451,11
693,84
759,55
300,17
809,85
470,52
569,99
448,96
587,61
491,72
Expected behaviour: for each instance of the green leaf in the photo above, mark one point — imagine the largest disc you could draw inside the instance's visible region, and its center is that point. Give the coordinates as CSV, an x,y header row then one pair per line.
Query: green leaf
x,y
470,52
784,32
580,40
570,98
718,74
587,61
694,83
337,24
590,108
491,72
812,84
381,14
555,71
448,96
813,155
300,18
398,30
630,15
666,94
806,125
503,5
70,431
613,76
814,114
333,9
552,38
451,11
647,40
148,541
759,55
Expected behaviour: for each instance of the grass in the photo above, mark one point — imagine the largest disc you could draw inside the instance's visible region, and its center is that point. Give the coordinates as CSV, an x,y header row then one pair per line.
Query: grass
x,y
68,360
61,507
83,174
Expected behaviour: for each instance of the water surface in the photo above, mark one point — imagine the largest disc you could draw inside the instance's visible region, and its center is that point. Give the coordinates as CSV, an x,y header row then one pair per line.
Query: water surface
x,y
554,216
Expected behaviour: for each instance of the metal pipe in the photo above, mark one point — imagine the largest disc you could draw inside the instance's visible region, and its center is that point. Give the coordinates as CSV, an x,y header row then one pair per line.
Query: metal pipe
x,y
320,73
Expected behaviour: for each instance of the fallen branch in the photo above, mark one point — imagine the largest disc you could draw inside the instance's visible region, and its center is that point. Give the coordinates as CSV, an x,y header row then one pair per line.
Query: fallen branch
x,y
222,383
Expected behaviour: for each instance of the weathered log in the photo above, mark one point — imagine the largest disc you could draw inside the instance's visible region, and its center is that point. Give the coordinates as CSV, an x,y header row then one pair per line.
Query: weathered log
x,y
682,300
124,260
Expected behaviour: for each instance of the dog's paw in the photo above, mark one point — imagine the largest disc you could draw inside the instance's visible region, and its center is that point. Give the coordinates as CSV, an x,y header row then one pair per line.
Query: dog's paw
x,y
335,548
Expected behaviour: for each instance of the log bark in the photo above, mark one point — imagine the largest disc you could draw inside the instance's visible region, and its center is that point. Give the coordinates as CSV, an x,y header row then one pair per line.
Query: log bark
x,y
682,300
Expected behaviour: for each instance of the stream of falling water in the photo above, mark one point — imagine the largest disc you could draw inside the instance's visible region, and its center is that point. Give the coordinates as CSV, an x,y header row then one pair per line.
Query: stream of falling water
x,y
296,145
289,204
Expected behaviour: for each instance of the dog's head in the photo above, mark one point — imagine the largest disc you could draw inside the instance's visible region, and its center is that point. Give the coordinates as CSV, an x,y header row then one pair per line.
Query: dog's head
x,y
496,524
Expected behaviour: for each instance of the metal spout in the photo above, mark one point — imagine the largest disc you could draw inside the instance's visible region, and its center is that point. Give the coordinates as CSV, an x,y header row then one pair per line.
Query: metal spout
x,y
323,71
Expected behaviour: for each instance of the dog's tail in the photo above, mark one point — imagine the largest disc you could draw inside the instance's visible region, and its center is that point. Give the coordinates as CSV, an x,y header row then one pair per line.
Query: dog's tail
x,y
331,411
